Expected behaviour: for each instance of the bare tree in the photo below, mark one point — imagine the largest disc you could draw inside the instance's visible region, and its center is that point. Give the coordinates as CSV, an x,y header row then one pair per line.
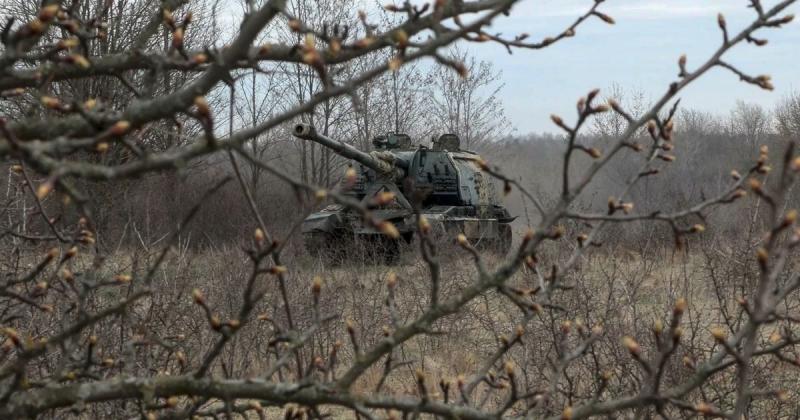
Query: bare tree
x,y
751,122
466,103
613,125
788,116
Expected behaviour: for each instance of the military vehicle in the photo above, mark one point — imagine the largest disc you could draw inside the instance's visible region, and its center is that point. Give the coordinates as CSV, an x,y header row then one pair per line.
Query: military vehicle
x,y
443,182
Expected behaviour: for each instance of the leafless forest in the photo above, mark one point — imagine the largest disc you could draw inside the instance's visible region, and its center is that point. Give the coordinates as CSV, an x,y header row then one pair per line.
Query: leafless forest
x,y
152,265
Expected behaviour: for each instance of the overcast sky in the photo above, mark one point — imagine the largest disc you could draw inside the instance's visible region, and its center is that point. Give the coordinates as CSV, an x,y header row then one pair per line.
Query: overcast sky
x,y
640,52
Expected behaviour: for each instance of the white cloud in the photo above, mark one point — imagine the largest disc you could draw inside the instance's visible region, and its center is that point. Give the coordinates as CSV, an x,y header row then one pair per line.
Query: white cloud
x,y
630,9
675,8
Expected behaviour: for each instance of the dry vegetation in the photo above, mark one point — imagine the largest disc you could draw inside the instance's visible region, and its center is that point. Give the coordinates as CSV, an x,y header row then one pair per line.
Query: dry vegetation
x,y
151,266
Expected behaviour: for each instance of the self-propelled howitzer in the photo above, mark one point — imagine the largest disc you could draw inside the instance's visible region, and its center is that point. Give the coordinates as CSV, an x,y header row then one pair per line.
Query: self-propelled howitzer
x,y
444,182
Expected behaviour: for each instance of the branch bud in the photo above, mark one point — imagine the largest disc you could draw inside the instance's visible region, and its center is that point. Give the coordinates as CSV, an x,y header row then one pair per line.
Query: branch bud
x,y
201,58
90,104
12,335
335,46
68,43
277,269
688,362
384,198
680,307
168,18
651,128
177,38
201,104
461,69
363,42
47,13
350,176
704,408
316,286
658,327
605,18
44,189
632,346
389,229
763,257
401,37
557,232
790,217
626,207
698,228
719,334
120,127
215,322
509,368
71,253
51,102
424,225
197,296
394,63
123,278
667,158
36,26
259,236
181,357
557,120
782,395
80,61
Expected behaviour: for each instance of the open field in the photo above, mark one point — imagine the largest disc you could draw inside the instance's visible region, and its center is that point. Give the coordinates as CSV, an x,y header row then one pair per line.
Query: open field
x,y
629,292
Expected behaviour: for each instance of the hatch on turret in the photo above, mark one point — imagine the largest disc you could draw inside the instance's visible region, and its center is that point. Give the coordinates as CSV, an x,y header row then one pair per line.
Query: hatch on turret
x,y
392,141
449,142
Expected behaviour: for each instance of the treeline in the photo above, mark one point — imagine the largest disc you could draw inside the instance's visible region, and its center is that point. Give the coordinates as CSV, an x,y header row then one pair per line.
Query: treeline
x,y
707,148
459,95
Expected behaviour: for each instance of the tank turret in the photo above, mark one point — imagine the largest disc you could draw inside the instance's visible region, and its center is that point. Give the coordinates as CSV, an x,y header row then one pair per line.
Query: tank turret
x,y
446,185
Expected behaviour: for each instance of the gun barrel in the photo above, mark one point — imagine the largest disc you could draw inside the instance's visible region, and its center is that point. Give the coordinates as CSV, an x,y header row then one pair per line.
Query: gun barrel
x,y
307,132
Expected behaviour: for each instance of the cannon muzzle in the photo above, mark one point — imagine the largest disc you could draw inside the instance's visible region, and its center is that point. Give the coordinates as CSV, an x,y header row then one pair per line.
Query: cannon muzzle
x,y
304,131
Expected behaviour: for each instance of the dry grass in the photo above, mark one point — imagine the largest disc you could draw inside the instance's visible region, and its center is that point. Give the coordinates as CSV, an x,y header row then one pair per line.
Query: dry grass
x,y
625,291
